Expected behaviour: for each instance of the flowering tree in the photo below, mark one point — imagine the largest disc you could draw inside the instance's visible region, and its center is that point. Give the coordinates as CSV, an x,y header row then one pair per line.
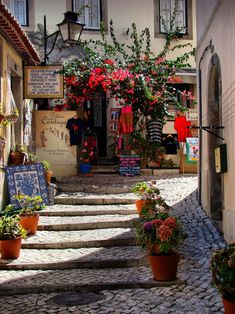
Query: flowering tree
x,y
131,74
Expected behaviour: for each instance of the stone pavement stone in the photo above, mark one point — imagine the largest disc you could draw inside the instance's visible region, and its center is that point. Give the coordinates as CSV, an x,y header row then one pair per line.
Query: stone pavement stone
x,y
194,295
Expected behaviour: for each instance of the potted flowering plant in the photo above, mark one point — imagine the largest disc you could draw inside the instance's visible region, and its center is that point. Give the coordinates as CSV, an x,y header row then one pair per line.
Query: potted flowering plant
x,y
159,233
11,234
223,274
148,195
27,208
86,155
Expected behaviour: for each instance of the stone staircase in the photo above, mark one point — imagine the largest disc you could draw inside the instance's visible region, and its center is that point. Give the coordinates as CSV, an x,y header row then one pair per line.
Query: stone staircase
x,y
84,242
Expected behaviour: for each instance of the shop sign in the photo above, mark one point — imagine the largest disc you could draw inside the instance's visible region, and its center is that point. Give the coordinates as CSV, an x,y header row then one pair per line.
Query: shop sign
x,y
129,165
43,82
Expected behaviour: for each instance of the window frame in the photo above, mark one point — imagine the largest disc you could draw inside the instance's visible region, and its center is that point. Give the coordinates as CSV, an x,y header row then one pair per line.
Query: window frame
x,y
188,17
26,8
100,10
184,31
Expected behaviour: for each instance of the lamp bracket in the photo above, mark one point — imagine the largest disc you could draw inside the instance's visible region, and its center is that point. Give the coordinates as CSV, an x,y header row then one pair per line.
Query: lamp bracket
x,y
208,129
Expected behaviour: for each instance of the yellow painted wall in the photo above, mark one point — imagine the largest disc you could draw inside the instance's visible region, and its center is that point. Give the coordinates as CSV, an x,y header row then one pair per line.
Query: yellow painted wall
x,y
10,61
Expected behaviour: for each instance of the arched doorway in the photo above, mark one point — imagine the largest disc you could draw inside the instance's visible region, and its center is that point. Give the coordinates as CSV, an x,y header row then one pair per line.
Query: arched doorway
x,y
214,118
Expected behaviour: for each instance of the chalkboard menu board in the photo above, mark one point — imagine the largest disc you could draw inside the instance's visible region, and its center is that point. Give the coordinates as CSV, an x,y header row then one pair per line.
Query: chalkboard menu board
x,y
129,165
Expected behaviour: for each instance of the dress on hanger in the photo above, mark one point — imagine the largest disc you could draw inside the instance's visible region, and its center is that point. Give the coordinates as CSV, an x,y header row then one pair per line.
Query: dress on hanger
x,y
75,126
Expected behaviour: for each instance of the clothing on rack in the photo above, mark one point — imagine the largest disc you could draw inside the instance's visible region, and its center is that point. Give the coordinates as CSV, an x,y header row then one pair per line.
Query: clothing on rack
x,y
170,144
126,119
155,131
181,125
75,126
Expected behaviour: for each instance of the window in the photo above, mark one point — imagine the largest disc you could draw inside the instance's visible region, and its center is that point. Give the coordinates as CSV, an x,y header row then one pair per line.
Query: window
x,y
163,10
166,11
90,15
19,9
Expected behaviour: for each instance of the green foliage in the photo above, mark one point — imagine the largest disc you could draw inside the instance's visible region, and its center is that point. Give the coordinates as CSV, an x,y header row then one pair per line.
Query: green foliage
x,y
133,75
145,190
28,205
158,232
10,228
223,271
46,165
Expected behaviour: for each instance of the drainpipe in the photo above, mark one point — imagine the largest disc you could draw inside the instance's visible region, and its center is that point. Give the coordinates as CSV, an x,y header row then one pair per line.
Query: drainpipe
x,y
211,47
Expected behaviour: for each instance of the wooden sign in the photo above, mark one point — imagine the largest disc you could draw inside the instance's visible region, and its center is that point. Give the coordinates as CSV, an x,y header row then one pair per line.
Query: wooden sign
x,y
43,82
129,165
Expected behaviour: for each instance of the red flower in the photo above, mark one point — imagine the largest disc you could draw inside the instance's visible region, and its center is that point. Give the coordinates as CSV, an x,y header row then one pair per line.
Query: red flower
x,y
170,222
164,232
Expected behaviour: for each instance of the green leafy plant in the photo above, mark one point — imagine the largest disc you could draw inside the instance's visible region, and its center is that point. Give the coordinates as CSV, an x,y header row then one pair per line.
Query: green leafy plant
x,y
86,153
159,234
32,157
28,205
46,165
223,271
10,228
145,190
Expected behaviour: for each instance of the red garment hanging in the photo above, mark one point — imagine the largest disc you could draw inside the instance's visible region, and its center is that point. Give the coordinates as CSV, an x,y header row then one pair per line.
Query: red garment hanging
x,y
126,119
181,126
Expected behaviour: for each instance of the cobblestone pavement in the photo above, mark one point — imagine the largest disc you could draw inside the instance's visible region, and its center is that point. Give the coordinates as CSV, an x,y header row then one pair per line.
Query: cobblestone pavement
x,y
195,295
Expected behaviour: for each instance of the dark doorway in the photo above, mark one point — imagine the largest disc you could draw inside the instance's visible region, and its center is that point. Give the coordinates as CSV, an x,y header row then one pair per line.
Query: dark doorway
x,y
215,119
95,114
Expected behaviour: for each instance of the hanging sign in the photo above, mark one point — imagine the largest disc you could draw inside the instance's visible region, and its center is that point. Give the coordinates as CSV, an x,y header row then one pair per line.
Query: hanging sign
x,y
192,149
43,82
129,165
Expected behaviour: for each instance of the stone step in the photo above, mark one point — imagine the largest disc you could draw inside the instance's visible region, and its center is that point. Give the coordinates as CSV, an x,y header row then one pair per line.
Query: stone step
x,y
86,223
81,198
74,187
80,239
110,257
46,281
88,210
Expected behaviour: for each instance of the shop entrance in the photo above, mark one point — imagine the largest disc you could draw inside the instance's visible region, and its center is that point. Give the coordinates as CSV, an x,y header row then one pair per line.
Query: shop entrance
x,y
215,119
95,115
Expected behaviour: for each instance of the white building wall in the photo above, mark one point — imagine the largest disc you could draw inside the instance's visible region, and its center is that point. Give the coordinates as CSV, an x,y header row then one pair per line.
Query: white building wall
x,y
221,31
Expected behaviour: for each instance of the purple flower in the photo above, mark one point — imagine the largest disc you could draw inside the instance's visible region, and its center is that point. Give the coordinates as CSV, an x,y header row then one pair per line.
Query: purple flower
x,y
147,226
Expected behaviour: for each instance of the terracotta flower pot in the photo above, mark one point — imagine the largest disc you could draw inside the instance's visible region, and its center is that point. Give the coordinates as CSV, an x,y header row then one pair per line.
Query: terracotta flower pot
x,y
164,267
229,306
16,158
48,174
140,204
29,223
10,248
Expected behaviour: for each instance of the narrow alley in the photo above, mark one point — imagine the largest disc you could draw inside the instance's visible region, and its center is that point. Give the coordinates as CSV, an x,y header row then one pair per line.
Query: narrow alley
x,y
84,259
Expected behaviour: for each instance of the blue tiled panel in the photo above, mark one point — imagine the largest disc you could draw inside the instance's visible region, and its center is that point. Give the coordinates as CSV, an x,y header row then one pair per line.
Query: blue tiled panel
x,y
26,179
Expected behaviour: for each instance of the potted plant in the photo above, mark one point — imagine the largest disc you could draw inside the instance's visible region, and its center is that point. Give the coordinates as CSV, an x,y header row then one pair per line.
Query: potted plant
x,y
17,155
47,171
148,195
11,234
159,234
223,274
28,207
86,155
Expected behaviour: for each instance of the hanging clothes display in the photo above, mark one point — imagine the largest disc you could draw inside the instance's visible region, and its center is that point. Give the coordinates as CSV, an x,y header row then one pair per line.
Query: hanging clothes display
x,y
126,119
75,126
170,144
155,131
181,125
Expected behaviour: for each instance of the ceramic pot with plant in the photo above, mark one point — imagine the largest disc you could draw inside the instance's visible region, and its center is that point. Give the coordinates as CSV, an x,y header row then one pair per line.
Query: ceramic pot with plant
x,y
11,234
148,195
223,274
159,235
28,208
17,155
86,156
47,171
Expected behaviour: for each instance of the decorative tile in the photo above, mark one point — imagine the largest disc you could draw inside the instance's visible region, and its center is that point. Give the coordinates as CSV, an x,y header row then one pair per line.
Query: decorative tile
x,y
26,179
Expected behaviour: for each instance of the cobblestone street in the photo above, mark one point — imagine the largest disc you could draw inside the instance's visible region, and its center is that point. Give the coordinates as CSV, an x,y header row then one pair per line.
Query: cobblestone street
x,y
193,294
